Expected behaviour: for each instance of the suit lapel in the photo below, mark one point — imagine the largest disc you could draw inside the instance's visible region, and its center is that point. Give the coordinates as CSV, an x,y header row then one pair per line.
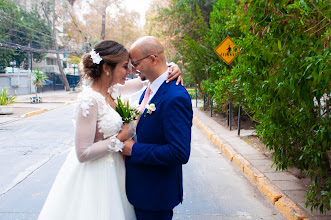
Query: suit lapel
x,y
156,100
142,96
159,94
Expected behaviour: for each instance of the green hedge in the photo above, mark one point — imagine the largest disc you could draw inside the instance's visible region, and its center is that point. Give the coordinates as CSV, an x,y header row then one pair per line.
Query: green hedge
x,y
282,76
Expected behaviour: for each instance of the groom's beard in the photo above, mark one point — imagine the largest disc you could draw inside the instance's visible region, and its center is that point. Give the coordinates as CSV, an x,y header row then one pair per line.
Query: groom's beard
x,y
143,78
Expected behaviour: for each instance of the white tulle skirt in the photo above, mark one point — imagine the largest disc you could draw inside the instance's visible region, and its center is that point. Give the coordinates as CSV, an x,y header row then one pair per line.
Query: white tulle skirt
x,y
90,190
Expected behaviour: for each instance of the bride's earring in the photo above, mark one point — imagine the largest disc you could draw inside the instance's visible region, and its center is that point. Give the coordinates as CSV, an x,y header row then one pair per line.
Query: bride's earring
x,y
107,73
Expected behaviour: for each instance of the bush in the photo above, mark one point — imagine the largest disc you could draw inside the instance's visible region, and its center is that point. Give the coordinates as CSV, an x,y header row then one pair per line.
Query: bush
x,y
286,69
282,77
5,99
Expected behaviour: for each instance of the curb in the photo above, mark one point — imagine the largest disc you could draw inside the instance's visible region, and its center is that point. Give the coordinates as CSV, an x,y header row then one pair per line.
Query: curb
x,y
34,113
44,110
275,195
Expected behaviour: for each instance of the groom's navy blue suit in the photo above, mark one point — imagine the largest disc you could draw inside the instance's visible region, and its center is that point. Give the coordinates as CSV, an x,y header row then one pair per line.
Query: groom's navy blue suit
x,y
154,179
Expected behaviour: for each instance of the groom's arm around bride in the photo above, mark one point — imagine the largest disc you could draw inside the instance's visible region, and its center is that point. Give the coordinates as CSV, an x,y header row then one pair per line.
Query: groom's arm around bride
x,y
154,163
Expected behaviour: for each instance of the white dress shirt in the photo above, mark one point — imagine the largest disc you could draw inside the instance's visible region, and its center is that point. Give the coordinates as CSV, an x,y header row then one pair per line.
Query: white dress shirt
x,y
157,84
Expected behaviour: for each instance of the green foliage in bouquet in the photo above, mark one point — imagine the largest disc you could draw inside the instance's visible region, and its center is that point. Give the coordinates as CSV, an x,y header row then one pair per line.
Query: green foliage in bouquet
x,y
127,113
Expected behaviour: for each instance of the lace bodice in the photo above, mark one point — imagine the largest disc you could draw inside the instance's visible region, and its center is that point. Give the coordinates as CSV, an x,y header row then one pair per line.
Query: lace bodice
x,y
109,121
97,125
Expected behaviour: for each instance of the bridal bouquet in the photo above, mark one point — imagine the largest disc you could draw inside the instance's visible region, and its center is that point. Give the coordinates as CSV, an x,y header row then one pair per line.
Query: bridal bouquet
x,y
127,112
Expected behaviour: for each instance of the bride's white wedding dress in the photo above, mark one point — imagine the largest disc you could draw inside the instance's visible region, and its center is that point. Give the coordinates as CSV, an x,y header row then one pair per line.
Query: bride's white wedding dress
x,y
93,189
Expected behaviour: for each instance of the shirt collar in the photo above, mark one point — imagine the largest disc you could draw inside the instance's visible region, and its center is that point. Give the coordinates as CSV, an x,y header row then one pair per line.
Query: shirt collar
x,y
158,82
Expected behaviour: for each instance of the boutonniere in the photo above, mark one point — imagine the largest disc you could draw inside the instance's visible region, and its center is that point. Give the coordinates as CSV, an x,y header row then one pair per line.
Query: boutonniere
x,y
150,108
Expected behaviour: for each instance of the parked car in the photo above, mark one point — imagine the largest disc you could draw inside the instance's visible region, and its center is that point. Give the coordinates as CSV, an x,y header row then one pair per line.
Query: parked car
x,y
47,82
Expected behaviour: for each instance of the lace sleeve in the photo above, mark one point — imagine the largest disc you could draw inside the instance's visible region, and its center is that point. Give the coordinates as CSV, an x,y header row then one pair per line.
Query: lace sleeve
x,y
86,128
132,90
131,86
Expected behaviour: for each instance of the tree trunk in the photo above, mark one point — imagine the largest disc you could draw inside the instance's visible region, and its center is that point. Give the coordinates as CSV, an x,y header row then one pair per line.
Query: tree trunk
x,y
59,63
103,25
63,76
52,26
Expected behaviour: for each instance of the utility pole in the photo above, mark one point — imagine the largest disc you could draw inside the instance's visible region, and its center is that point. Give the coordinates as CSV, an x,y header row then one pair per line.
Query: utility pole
x,y
30,58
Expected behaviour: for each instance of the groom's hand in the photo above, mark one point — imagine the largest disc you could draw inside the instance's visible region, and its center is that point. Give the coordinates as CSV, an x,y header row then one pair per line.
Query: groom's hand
x,y
127,147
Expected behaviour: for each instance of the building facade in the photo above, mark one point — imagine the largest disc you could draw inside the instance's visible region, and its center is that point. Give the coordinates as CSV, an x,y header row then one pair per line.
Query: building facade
x,y
18,81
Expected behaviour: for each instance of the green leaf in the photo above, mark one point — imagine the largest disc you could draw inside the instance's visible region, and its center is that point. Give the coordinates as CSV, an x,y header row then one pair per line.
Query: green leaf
x,y
5,99
279,45
301,21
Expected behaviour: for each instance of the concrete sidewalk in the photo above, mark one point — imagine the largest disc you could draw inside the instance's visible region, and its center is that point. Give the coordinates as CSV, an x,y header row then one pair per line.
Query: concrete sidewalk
x,y
50,100
282,188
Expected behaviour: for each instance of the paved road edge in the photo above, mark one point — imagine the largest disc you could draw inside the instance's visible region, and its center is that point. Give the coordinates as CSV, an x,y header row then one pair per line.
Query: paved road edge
x,y
281,201
43,110
34,113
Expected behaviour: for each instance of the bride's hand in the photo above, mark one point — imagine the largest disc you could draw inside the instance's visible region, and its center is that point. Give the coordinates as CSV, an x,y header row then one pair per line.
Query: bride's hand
x,y
128,131
123,133
174,72
132,130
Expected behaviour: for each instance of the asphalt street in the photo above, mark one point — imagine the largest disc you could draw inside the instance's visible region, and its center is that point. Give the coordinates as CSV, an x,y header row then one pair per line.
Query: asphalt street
x,y
33,149
31,152
214,188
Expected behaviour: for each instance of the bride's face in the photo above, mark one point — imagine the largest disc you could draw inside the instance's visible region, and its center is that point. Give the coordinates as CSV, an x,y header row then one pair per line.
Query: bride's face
x,y
121,71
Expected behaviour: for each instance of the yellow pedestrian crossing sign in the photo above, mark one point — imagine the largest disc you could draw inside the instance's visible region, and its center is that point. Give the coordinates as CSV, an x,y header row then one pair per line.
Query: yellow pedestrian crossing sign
x,y
225,50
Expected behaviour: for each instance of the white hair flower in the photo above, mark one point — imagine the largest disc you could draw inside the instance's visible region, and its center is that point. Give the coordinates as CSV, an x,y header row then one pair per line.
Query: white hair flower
x,y
95,57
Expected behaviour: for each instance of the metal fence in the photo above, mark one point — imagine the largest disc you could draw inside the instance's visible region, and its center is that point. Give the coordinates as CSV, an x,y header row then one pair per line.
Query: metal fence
x,y
55,83
208,103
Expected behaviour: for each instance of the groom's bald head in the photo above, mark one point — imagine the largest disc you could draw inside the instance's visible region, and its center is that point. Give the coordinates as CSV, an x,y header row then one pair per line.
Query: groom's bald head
x,y
148,45
154,62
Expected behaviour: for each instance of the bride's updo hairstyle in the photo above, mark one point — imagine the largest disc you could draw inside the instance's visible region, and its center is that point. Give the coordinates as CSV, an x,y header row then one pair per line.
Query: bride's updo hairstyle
x,y
111,53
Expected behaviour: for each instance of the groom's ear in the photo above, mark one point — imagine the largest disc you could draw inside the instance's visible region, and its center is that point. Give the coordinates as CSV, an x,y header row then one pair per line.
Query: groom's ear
x,y
153,59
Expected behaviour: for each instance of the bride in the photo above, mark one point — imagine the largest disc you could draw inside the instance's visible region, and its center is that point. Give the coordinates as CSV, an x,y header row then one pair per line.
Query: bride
x,y
91,182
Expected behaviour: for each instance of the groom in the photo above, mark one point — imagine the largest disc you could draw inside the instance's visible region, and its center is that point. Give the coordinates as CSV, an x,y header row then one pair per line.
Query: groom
x,y
154,181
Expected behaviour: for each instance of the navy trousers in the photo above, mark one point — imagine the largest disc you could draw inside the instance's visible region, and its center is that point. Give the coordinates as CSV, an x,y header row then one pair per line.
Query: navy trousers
x,y
153,215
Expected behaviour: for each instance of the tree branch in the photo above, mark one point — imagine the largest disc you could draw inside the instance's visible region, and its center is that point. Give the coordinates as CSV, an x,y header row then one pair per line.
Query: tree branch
x,y
315,25
321,28
250,116
319,10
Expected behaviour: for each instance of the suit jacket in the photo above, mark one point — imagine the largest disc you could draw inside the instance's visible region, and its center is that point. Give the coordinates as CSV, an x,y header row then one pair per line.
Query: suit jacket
x,y
154,171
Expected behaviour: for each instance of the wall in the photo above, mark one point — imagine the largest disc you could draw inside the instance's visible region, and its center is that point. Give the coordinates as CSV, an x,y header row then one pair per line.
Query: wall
x,y
18,83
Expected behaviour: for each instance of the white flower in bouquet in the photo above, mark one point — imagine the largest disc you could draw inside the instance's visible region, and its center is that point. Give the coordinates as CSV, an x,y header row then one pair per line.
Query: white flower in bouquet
x,y
127,112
